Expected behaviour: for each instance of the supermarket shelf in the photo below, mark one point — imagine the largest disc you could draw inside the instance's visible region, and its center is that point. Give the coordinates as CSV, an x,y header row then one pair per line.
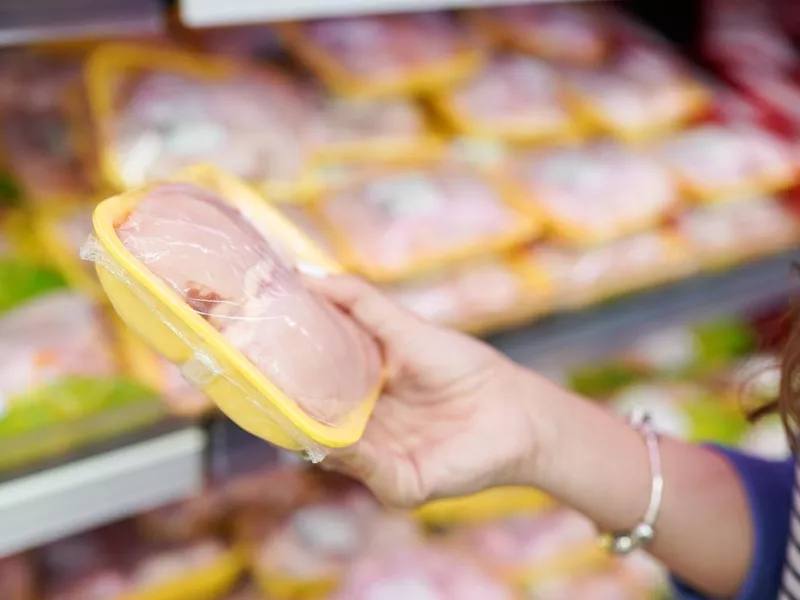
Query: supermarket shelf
x,y
568,339
208,13
67,499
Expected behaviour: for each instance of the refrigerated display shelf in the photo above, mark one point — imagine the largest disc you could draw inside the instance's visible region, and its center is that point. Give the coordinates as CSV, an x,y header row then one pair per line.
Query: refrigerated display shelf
x,y
45,505
565,340
210,13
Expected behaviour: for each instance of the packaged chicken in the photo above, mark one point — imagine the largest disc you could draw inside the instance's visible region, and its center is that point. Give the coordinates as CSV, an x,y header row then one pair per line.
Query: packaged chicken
x,y
730,233
514,98
594,194
475,296
642,92
606,584
577,35
158,111
414,221
42,112
427,572
487,506
204,271
717,163
60,381
583,277
684,410
18,578
309,552
527,548
385,55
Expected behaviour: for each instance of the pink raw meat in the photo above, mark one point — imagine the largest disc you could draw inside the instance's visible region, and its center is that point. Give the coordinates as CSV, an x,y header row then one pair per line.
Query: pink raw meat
x,y
223,267
52,337
420,574
396,220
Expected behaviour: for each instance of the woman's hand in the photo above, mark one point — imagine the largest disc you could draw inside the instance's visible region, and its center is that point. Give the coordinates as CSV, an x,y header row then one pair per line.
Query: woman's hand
x,y
452,419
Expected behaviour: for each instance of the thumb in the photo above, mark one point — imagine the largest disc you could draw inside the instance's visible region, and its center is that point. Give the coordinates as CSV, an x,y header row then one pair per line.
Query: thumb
x,y
366,304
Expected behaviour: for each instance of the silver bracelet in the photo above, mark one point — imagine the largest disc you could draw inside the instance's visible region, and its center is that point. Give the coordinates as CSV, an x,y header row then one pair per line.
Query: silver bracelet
x,y
643,533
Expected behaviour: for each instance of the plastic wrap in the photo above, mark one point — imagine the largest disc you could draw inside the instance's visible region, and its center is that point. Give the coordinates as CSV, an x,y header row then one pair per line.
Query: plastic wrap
x,y
414,221
718,163
203,270
515,98
644,91
527,548
60,381
596,193
569,34
384,55
41,113
582,277
159,111
685,411
722,235
428,572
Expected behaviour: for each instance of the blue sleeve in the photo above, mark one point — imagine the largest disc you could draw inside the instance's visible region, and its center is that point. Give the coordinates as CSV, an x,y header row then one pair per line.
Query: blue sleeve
x,y
768,485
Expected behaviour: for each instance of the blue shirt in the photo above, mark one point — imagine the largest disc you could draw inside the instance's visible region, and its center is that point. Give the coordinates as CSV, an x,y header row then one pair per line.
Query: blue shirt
x,y
769,488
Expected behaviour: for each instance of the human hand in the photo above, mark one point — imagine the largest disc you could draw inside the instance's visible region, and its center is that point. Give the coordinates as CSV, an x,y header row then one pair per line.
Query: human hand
x,y
454,416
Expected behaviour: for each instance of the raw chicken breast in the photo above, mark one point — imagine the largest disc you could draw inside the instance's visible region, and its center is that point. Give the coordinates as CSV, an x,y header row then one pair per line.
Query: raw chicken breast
x,y
224,268
425,573
54,336
394,223
514,90
596,193
716,159
254,127
388,46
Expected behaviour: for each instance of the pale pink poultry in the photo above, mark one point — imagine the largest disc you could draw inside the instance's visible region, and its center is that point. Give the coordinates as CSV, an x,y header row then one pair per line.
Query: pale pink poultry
x,y
224,268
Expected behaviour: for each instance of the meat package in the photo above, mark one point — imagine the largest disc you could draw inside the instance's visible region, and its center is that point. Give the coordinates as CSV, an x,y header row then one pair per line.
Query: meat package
x,y
17,578
604,585
516,98
730,233
428,572
204,271
160,110
412,221
596,193
643,91
724,162
577,35
581,277
384,55
42,110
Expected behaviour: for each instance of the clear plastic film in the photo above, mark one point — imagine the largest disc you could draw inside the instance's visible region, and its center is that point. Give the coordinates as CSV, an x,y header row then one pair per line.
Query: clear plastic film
x,y
203,271
162,110
578,35
642,92
721,235
383,55
717,163
596,193
583,277
411,221
515,98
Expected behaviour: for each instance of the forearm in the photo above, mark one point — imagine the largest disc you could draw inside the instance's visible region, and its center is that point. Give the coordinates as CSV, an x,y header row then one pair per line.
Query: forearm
x,y
595,462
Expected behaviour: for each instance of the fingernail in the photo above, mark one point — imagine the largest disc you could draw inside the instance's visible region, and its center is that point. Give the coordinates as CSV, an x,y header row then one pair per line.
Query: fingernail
x,y
310,270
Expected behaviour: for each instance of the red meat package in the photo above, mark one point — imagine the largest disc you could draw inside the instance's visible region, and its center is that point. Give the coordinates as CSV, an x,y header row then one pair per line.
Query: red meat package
x,y
571,34
641,92
384,54
427,573
515,98
223,266
398,225
160,111
17,578
582,277
736,231
595,193
717,162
